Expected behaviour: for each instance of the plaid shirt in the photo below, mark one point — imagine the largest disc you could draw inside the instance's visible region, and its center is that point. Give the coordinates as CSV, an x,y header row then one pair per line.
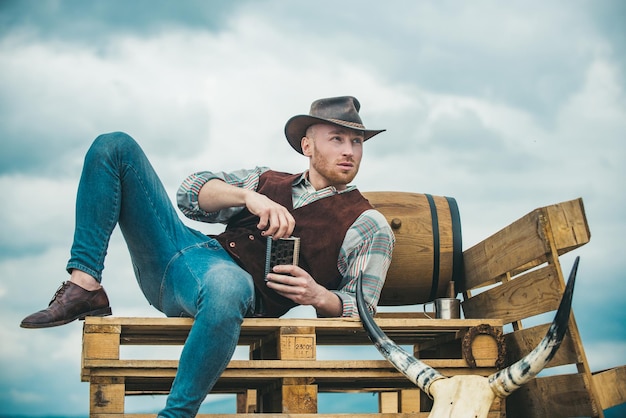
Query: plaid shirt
x,y
366,249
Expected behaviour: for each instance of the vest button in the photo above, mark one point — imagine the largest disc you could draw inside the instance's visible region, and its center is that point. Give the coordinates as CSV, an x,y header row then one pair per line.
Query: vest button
x,y
251,237
232,244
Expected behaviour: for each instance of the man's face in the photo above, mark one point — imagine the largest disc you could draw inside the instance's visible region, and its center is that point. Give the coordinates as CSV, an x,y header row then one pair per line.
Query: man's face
x,y
335,155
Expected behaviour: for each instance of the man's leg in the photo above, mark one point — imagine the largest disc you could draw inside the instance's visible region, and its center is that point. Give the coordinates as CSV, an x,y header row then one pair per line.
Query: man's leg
x,y
117,184
181,271
204,282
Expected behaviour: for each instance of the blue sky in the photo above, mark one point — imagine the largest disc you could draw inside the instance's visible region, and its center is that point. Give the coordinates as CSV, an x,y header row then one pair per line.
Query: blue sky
x,y
504,106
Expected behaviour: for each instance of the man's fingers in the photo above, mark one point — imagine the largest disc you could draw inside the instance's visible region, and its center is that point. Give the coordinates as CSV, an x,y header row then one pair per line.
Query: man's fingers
x,y
285,226
274,219
285,285
263,222
279,224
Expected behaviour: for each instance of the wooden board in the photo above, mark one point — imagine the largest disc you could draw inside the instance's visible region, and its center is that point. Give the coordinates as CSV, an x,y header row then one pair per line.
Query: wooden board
x,y
569,225
559,396
530,294
328,331
612,384
523,242
522,342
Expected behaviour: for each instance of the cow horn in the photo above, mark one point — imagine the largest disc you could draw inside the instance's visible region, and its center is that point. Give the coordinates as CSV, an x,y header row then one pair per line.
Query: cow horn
x,y
503,382
416,371
506,381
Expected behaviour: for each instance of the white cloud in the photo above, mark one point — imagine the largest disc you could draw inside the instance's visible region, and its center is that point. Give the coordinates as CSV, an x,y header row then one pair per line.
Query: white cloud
x,y
38,214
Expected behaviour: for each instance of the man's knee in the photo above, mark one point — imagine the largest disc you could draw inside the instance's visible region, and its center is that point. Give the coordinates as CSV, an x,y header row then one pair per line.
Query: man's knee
x,y
112,142
113,147
230,287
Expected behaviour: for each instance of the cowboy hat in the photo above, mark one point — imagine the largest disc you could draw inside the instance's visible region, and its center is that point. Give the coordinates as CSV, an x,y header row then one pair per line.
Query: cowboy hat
x,y
341,111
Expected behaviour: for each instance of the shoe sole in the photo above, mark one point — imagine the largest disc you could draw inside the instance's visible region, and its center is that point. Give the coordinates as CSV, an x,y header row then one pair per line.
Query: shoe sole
x,y
97,312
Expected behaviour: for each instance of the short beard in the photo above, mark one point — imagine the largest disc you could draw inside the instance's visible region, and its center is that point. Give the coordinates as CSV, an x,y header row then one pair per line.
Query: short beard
x,y
327,170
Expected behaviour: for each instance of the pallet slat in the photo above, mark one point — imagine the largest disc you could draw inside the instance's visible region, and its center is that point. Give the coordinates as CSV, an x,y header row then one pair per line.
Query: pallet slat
x,y
520,343
330,331
527,295
569,225
612,384
253,369
522,242
507,249
559,396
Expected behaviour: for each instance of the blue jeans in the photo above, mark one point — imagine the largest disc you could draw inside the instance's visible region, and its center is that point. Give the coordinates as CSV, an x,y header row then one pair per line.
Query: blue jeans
x,y
181,271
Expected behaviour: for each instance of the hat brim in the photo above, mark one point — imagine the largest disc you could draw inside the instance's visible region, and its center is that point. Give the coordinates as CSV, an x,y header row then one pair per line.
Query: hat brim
x,y
295,129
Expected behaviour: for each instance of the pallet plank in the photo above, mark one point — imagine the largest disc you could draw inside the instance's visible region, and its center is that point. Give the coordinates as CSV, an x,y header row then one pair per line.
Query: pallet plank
x,y
559,396
515,245
520,343
569,225
527,295
612,385
522,242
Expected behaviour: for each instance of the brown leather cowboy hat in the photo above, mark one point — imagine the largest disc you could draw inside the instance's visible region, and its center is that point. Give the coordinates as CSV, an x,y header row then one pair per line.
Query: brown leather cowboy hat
x,y
340,111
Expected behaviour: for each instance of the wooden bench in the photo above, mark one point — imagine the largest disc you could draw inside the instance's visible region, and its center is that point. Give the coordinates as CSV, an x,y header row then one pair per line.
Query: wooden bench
x,y
283,375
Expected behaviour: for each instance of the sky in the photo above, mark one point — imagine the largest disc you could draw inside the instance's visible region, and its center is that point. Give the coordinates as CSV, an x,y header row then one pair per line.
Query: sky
x,y
505,106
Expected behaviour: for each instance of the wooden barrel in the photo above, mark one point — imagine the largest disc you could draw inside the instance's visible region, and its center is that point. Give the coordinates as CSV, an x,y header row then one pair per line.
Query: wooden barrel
x,y
428,254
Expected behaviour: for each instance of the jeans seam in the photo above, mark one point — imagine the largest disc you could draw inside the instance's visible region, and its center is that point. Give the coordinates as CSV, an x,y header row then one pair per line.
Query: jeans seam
x,y
112,221
129,168
153,206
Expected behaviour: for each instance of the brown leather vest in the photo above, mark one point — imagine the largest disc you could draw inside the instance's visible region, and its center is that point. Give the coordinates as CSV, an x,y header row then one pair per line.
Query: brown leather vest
x,y
321,226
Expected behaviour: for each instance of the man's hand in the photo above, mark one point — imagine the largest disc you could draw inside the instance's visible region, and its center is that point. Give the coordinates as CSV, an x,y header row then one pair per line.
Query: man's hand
x,y
296,284
274,219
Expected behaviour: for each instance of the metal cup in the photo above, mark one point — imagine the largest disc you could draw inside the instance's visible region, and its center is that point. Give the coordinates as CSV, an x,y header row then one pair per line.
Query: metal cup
x,y
445,308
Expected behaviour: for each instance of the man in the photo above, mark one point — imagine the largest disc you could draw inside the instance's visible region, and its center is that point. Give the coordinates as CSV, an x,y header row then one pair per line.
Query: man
x,y
220,280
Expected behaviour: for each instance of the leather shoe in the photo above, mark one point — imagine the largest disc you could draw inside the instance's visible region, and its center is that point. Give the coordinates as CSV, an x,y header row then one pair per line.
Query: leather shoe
x,y
70,302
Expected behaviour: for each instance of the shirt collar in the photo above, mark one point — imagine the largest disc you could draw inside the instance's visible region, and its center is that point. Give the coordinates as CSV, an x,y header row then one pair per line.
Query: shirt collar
x,y
303,181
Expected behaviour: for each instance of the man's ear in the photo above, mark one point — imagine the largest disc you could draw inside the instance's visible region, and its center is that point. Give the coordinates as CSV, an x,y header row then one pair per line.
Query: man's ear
x,y
307,145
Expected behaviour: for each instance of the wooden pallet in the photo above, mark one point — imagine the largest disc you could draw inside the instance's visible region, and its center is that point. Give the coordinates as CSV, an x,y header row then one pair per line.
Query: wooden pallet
x,y
282,374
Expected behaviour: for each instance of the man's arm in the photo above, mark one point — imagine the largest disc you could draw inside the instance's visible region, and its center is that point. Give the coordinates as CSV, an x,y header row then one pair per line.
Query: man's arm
x,y
274,219
215,197
366,251
187,194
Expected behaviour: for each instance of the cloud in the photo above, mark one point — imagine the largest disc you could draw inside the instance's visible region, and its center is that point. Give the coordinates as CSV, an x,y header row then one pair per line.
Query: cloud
x,y
50,220
498,53
41,127
75,21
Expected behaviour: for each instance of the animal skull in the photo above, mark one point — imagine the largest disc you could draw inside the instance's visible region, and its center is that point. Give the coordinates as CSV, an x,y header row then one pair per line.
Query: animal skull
x,y
470,396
